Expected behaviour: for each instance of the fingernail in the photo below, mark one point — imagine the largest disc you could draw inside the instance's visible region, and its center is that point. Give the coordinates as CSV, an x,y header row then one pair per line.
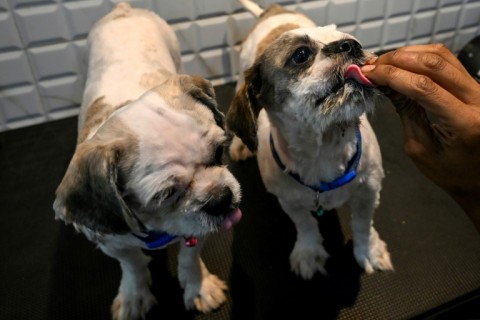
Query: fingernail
x,y
368,67
372,60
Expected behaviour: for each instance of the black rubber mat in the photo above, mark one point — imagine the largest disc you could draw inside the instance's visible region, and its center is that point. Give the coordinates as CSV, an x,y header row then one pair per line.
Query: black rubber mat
x,y
50,272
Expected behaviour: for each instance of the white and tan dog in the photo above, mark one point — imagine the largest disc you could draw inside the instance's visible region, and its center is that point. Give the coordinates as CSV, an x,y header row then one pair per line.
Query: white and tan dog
x,y
301,106
146,171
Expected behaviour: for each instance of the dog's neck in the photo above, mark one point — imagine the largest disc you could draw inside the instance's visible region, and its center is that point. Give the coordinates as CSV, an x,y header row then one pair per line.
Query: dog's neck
x,y
313,156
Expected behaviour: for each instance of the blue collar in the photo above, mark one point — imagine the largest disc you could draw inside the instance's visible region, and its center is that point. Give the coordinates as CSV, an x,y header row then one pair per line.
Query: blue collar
x,y
151,238
158,239
349,174
155,239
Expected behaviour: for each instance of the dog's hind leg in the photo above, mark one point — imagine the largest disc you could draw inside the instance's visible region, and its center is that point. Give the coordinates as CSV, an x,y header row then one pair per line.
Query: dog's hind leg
x,y
370,251
134,298
203,290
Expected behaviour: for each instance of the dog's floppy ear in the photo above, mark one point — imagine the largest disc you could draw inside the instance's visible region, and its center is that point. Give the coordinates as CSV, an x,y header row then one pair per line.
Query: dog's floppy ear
x,y
88,195
202,90
245,107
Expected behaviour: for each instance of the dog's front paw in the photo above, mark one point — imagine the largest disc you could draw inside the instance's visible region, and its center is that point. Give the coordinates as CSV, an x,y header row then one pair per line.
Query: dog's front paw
x,y
133,306
210,296
374,257
305,261
238,150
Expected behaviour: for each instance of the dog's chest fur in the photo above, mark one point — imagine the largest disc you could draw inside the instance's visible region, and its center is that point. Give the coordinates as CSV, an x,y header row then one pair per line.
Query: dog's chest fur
x,y
307,156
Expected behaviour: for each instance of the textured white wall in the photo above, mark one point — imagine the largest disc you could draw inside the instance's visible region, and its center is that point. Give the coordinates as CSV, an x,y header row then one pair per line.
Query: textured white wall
x,y
42,42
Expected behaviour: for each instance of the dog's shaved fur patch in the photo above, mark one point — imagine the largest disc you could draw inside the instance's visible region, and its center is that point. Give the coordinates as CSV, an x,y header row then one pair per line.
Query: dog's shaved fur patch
x,y
190,90
97,113
155,78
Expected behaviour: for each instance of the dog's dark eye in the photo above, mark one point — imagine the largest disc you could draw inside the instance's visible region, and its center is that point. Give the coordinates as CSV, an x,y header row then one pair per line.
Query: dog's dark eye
x,y
301,55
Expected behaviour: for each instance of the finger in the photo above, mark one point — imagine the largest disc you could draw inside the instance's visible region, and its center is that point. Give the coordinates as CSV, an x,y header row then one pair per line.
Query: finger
x,y
419,88
437,68
438,49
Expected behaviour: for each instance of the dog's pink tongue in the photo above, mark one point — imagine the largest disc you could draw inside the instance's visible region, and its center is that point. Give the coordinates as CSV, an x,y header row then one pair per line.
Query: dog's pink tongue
x,y
353,72
231,219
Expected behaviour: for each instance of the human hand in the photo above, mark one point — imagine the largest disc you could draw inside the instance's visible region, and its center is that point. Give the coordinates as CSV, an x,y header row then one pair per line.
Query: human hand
x,y
439,106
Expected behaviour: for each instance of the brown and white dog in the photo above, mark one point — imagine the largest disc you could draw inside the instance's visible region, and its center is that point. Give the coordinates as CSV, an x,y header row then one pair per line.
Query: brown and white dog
x,y
146,171
301,105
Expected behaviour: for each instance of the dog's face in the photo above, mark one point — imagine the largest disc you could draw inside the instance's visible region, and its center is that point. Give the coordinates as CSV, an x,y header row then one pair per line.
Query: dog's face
x,y
300,77
155,163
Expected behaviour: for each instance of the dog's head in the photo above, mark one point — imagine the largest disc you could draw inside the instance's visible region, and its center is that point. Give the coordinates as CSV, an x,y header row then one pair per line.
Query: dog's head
x,y
308,75
154,164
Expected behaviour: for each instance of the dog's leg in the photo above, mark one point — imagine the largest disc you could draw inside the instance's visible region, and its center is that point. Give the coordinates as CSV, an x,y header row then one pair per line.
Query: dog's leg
x,y
308,256
370,251
238,150
134,298
203,290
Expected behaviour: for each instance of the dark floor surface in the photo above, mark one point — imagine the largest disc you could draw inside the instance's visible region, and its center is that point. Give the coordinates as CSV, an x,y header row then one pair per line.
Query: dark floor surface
x,y
48,271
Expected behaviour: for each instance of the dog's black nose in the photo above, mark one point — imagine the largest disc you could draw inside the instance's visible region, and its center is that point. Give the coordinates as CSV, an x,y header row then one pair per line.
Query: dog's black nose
x,y
347,46
220,204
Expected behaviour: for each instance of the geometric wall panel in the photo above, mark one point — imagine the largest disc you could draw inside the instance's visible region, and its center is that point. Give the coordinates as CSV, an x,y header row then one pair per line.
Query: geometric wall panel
x,y
43,47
